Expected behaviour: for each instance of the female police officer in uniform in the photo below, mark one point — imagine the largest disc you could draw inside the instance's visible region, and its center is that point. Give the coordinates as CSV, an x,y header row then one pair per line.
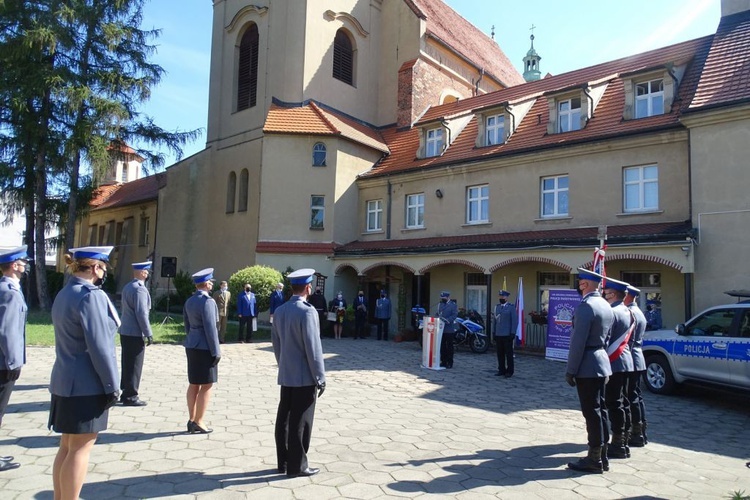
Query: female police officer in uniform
x,y
84,382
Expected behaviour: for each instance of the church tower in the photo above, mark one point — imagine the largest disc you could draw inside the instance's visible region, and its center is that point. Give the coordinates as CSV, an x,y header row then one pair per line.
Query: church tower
x,y
531,71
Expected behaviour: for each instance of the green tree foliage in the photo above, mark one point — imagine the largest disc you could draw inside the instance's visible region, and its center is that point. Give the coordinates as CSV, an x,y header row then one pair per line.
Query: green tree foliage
x,y
263,279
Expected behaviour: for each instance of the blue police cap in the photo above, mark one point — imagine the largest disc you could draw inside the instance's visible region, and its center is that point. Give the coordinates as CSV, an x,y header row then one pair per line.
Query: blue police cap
x,y
445,295
504,293
96,253
614,284
203,275
301,276
139,266
585,274
14,254
633,291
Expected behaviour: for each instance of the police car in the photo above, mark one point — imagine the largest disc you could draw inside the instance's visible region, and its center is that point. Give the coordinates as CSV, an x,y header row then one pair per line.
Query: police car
x,y
712,347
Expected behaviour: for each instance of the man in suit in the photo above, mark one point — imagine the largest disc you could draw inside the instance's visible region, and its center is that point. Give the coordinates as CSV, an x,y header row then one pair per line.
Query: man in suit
x,y
588,366
447,312
246,311
13,310
506,324
360,314
222,297
318,301
383,315
135,333
295,334
277,298
637,431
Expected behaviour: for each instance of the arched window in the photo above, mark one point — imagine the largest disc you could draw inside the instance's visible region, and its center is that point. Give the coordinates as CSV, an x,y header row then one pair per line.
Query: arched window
x,y
319,155
343,57
247,69
244,181
231,190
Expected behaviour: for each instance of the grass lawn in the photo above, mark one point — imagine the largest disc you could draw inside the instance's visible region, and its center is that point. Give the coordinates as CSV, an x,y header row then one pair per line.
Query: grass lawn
x,y
40,332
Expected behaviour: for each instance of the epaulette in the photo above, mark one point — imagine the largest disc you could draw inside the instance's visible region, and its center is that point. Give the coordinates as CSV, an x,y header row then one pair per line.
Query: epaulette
x,y
308,304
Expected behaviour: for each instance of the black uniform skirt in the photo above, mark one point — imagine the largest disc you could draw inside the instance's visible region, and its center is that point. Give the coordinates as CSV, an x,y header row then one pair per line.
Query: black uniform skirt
x,y
199,367
78,414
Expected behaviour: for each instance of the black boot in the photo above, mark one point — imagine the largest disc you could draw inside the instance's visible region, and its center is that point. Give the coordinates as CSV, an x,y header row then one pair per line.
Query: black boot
x,y
617,449
643,432
636,438
591,463
605,460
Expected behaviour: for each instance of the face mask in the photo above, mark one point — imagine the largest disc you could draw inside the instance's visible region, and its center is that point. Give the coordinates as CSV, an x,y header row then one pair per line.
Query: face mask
x,y
503,301
361,295
580,292
247,290
443,300
382,295
339,297
223,289
100,281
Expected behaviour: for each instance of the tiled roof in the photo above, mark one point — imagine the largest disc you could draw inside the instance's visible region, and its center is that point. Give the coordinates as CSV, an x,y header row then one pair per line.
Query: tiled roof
x,y
311,117
448,26
531,133
293,247
102,194
726,74
123,148
138,191
581,236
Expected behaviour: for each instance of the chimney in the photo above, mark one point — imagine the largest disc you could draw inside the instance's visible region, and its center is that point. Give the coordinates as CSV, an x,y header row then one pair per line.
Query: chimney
x,y
729,7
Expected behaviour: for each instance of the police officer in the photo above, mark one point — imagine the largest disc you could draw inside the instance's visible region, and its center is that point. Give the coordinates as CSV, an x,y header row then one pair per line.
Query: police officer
x,y
621,362
383,315
506,324
135,333
13,310
447,312
84,383
295,334
201,348
588,366
637,432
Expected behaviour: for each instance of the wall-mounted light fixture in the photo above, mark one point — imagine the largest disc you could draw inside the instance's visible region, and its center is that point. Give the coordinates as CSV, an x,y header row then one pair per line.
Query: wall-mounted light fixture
x,y
686,250
439,193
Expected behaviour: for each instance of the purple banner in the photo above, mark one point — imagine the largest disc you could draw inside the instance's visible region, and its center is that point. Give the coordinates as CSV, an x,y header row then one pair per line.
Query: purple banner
x,y
562,304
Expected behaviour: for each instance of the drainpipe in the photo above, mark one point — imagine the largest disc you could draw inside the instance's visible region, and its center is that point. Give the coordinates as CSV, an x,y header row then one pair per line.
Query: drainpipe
x,y
512,120
476,85
448,142
388,214
488,328
591,100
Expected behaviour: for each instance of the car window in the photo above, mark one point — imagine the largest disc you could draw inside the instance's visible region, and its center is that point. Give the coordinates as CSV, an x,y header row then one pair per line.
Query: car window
x,y
744,330
716,323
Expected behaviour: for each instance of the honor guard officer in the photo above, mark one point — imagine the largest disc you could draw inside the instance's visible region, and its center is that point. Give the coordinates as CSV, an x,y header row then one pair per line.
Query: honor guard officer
x,y
637,432
296,344
447,312
588,366
135,333
13,310
621,362
506,324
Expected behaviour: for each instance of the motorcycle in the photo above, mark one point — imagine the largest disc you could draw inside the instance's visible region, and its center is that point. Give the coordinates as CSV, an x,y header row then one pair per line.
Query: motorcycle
x,y
470,330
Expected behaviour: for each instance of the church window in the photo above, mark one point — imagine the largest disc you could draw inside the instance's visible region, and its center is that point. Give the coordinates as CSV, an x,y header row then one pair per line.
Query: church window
x,y
231,192
244,185
247,69
343,57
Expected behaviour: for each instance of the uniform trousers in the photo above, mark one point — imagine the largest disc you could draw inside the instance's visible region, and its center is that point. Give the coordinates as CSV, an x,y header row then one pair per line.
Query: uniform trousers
x,y
6,387
446,349
360,318
383,328
294,422
614,397
221,325
246,325
635,397
591,397
505,354
133,349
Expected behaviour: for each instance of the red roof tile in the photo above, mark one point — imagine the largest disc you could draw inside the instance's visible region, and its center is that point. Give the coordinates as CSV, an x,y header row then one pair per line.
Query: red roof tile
x,y
453,30
293,247
531,133
102,194
133,192
726,74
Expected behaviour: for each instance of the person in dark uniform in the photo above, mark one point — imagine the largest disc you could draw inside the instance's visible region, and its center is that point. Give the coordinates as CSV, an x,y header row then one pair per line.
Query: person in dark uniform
x,y
637,432
277,298
318,301
506,324
295,334
135,333
84,383
383,315
621,361
13,310
447,313
202,349
360,315
588,366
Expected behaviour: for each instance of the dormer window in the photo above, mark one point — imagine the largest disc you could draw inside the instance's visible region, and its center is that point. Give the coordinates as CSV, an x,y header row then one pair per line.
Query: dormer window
x,y
649,98
569,114
494,130
434,142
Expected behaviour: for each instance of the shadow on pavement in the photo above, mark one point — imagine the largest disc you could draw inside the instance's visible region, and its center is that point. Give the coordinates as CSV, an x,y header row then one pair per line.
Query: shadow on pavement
x,y
53,440
28,407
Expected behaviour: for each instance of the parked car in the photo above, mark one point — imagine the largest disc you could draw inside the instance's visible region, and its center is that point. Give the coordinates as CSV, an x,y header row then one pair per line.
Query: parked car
x,y
712,347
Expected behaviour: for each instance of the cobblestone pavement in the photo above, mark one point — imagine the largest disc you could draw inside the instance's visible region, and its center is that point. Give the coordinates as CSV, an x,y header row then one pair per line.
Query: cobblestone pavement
x,y
385,428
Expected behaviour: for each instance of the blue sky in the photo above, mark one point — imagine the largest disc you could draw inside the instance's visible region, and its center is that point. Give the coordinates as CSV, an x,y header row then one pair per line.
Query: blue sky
x,y
570,34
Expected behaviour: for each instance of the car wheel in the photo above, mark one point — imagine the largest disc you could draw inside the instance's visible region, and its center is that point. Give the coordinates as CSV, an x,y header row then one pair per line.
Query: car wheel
x,y
658,376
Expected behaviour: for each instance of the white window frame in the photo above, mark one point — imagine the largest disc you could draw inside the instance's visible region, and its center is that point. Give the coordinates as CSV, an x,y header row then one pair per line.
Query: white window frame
x,y
495,131
649,97
570,117
434,142
642,184
414,211
374,215
316,209
555,191
478,204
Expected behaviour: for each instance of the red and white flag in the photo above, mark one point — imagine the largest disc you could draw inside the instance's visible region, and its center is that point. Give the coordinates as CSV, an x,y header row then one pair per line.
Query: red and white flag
x,y
521,329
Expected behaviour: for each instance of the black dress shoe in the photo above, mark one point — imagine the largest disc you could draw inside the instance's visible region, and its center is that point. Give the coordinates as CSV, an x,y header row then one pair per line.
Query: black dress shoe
x,y
6,459
11,465
133,402
310,471
499,374
197,429
281,469
190,427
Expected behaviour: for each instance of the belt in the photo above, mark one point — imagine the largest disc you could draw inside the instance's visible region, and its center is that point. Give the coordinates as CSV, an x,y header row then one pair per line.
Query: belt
x,y
593,348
